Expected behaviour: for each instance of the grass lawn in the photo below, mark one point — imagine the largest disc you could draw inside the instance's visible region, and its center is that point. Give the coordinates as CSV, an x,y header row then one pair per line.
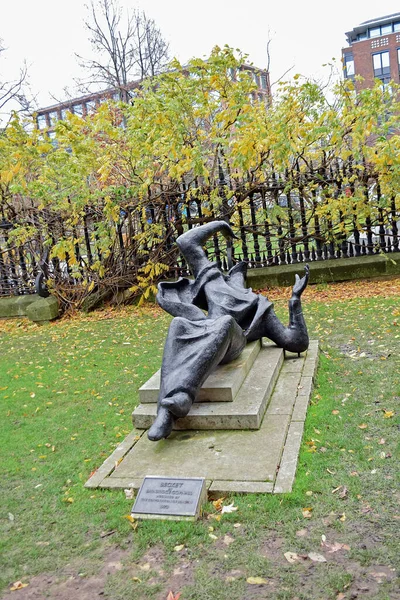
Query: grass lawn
x,y
67,390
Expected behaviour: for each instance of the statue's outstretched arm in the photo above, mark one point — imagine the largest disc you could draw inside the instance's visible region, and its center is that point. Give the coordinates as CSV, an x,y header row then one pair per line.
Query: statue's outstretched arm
x,y
190,243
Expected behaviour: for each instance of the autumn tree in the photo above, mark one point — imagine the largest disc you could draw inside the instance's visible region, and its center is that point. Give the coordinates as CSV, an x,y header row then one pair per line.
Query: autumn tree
x,y
127,47
200,145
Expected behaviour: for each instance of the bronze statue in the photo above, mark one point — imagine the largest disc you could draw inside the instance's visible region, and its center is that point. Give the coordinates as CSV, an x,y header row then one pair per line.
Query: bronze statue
x,y
215,316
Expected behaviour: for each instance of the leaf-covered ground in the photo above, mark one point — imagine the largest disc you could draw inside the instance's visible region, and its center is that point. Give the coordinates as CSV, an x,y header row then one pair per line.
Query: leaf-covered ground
x,y
67,390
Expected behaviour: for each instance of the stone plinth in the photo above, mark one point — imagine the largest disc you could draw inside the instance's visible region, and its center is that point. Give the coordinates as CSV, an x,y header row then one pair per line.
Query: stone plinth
x,y
245,411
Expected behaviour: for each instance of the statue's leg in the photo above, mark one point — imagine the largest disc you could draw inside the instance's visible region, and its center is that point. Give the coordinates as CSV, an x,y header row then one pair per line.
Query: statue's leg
x,y
192,350
293,338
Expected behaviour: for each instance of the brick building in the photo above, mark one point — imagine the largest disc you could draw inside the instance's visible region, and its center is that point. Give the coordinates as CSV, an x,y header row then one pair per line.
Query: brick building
x,y
47,117
373,51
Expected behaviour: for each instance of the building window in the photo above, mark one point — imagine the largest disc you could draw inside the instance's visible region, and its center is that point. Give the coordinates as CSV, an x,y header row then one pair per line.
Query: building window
x,y
232,74
78,109
381,64
362,36
53,117
64,112
91,106
374,32
349,65
386,29
264,82
41,121
396,26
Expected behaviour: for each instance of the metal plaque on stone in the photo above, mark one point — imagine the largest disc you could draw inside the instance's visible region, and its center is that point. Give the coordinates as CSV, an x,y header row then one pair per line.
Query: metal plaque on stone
x,y
174,498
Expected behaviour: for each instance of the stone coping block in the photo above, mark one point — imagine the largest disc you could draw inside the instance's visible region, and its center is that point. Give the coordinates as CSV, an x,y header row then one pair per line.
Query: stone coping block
x,y
245,412
43,309
221,386
231,461
16,306
287,469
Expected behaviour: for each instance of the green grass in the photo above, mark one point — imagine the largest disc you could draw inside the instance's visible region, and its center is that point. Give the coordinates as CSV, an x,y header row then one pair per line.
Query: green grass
x,y
67,391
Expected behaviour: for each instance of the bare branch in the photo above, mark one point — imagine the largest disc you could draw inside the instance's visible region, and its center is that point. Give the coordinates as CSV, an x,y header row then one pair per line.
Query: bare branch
x,y
15,91
127,48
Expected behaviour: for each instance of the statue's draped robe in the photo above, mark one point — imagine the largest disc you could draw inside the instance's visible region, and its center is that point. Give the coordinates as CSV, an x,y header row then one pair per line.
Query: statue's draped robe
x,y
197,342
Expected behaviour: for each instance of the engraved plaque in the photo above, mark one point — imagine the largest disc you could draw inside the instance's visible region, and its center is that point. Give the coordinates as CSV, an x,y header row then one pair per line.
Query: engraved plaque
x,y
170,498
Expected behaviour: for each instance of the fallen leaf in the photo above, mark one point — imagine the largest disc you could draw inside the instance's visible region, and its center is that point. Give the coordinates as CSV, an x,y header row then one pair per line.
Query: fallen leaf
x,y
218,504
129,493
382,441
130,518
214,516
230,508
335,547
256,580
179,547
379,576
236,525
171,596
145,567
388,414
335,412
212,536
228,540
136,579
301,532
340,596
316,557
342,517
343,493
291,557
18,585
363,426
307,512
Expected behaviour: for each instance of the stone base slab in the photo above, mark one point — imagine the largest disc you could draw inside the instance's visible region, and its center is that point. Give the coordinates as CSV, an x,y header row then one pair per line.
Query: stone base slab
x,y
245,412
221,386
261,461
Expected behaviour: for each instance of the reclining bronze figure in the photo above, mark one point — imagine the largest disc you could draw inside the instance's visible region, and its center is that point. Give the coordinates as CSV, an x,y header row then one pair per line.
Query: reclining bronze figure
x,y
215,315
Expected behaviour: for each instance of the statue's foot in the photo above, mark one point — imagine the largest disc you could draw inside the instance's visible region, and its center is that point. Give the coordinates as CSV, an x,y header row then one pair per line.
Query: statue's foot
x,y
162,425
179,404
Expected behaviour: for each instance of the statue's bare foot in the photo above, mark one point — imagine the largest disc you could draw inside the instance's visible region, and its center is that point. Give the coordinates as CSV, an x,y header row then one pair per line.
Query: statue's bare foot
x,y
162,426
179,404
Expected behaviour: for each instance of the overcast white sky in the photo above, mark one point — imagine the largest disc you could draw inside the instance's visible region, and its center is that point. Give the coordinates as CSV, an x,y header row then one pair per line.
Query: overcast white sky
x,y
305,34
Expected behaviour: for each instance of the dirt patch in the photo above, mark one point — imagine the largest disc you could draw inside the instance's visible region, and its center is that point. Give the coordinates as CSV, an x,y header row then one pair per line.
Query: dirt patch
x,y
71,583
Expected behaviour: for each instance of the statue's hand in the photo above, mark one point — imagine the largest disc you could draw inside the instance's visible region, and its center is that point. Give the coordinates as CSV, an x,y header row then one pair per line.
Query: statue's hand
x,y
301,284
